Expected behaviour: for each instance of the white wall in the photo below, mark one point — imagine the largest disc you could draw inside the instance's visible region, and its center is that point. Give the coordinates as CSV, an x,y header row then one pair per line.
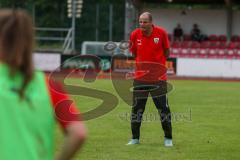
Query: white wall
x,y
47,61
210,21
200,67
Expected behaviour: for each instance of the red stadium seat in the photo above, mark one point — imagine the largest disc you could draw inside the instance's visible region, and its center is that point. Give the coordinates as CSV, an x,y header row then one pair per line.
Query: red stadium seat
x,y
185,44
213,37
175,48
213,49
222,38
214,44
235,38
187,37
205,44
230,53
231,50
203,52
222,49
237,53
204,47
185,51
212,52
185,48
194,51
222,44
176,44
195,44
237,45
175,51
231,45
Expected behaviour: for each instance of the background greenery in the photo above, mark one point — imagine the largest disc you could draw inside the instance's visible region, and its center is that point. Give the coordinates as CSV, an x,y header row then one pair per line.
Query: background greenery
x,y
53,13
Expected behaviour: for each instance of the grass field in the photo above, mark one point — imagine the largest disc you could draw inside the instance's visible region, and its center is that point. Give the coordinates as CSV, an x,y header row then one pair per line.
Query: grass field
x,y
206,125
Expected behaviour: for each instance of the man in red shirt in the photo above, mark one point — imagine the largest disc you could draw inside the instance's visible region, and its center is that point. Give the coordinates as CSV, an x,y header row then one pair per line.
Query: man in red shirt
x,y
150,47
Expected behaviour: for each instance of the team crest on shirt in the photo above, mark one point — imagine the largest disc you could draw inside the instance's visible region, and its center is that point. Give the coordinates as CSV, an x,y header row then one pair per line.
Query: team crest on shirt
x,y
156,40
139,42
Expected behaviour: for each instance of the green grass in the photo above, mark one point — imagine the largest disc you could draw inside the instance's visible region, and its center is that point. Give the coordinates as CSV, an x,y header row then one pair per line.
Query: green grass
x,y
208,129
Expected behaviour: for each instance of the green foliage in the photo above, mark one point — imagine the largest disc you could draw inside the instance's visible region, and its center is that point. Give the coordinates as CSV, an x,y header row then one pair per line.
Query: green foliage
x,y
53,13
50,13
13,3
86,25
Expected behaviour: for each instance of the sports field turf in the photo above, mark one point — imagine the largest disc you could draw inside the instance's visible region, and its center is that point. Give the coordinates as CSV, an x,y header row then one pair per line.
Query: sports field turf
x,y
206,124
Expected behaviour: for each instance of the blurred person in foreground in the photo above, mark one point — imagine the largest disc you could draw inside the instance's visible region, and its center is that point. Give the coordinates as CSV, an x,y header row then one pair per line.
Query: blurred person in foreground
x,y
27,100
150,47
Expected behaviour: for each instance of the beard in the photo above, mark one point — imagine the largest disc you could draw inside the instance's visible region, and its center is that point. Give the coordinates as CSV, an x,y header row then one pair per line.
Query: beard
x,y
143,29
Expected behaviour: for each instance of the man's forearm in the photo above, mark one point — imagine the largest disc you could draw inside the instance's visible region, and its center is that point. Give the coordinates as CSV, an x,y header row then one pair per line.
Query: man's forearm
x,y
167,52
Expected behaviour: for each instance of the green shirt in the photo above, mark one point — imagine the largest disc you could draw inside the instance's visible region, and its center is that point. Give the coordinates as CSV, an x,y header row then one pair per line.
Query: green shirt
x,y
26,126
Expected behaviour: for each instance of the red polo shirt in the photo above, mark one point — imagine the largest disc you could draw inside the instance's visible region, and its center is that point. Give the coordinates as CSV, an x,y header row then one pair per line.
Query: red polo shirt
x,y
149,54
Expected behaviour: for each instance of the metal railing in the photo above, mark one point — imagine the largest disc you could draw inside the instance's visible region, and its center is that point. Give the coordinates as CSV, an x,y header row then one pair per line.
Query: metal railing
x,y
68,42
65,40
